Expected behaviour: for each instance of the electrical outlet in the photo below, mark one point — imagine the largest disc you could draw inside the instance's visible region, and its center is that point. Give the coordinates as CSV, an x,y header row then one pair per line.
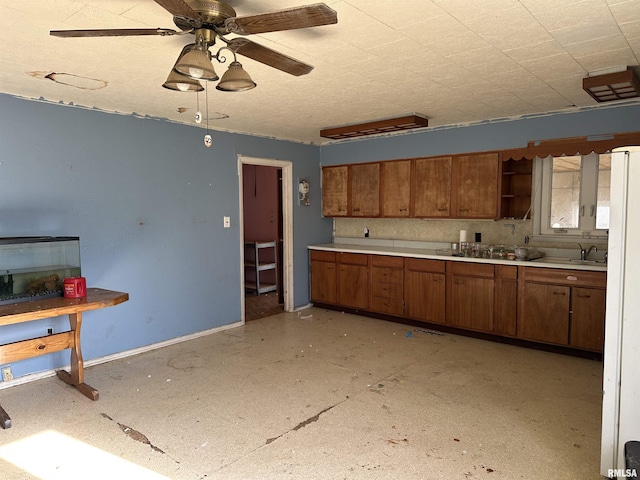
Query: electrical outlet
x,y
50,330
6,374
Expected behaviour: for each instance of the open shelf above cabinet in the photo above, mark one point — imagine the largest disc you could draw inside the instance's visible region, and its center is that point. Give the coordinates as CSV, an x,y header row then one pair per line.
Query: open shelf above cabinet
x,y
517,177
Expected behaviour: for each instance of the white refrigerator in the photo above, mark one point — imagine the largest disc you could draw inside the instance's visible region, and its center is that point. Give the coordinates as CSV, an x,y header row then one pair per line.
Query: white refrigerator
x,y
621,381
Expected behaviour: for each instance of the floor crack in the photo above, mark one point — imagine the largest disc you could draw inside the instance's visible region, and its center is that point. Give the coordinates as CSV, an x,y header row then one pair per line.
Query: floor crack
x,y
134,434
302,424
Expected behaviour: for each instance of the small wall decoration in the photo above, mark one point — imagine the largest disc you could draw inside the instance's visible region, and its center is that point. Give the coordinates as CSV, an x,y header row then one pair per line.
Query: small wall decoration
x,y
303,190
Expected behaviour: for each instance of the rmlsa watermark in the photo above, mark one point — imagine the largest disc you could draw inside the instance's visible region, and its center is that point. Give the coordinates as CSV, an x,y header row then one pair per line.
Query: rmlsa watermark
x,y
622,473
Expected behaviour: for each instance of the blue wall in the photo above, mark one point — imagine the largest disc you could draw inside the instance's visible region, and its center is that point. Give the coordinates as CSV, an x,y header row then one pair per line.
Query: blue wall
x,y
494,135
147,200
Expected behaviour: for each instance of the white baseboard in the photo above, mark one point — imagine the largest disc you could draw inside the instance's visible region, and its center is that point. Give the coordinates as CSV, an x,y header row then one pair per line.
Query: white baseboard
x,y
32,377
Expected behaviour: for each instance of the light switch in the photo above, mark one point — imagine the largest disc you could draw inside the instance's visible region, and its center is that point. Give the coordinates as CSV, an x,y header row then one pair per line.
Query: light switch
x,y
227,222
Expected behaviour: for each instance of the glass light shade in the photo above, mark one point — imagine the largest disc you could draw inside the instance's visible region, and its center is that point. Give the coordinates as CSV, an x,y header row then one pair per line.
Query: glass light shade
x,y
178,82
195,63
235,79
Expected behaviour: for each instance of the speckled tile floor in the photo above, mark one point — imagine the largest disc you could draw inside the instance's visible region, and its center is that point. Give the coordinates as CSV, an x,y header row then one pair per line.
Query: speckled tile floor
x,y
314,395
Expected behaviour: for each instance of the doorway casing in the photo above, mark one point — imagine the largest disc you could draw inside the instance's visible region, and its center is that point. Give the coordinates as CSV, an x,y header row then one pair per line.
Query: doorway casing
x,y
287,226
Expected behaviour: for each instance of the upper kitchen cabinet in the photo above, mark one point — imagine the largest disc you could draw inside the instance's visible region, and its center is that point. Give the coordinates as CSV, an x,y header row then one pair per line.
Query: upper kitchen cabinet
x,y
364,180
431,187
462,186
335,191
475,186
395,190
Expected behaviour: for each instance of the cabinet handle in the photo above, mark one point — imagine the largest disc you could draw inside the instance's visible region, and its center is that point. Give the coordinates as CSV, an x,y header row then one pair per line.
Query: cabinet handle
x,y
403,209
584,296
559,293
463,209
437,280
356,209
444,210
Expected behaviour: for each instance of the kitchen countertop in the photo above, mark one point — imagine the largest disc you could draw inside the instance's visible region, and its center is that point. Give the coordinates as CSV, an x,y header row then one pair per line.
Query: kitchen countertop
x,y
397,251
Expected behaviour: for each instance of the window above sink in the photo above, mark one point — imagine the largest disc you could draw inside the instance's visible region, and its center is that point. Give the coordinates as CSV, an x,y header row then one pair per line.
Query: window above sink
x,y
572,196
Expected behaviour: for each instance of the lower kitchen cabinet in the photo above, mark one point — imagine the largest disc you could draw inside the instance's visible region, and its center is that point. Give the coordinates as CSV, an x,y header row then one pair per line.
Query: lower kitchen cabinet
x,y
353,280
506,304
545,313
537,304
387,286
425,290
563,307
587,318
323,277
470,296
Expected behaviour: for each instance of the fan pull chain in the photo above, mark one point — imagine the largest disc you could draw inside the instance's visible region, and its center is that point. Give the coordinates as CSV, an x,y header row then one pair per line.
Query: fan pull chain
x,y
207,138
198,113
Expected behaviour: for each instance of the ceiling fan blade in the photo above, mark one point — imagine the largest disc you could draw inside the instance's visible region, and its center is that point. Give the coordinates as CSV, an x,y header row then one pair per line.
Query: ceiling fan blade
x,y
179,8
269,57
113,32
288,19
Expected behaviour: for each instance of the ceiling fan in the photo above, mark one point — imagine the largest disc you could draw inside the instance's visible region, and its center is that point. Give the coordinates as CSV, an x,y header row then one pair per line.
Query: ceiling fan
x,y
210,20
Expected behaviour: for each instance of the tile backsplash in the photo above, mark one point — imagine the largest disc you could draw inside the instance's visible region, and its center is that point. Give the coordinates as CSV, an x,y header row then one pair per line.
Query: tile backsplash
x,y
506,232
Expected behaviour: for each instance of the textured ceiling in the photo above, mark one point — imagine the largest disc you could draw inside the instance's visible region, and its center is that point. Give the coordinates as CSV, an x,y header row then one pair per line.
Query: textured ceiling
x,y
455,61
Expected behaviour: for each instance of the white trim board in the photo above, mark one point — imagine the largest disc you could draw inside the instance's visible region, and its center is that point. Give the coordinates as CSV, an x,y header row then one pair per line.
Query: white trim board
x,y
287,227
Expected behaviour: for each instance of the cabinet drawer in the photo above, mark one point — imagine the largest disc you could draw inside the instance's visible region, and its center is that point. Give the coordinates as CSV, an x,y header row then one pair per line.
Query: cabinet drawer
x,y
386,290
323,256
353,258
471,269
387,275
386,261
424,265
391,306
507,271
583,278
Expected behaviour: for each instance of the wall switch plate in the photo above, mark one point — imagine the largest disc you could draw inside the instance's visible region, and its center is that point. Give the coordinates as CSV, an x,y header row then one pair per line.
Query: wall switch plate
x,y
6,374
227,222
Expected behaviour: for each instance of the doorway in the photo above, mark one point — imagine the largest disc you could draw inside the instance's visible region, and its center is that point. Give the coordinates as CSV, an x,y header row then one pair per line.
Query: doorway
x,y
266,236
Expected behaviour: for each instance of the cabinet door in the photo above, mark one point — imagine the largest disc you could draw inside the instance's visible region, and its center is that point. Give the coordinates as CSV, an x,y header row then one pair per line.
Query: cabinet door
x,y
323,282
475,186
365,190
396,188
425,296
471,303
353,286
506,300
431,187
334,191
587,318
544,313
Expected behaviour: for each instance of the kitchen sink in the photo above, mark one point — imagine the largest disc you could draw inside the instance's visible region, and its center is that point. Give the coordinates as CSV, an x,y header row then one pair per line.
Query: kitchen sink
x,y
569,261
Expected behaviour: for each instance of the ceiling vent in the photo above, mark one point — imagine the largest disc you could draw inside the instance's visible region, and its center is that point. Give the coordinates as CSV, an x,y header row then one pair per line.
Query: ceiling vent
x,y
408,122
612,86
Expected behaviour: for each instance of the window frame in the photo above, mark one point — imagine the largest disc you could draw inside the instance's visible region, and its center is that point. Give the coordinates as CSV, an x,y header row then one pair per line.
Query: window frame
x,y
588,201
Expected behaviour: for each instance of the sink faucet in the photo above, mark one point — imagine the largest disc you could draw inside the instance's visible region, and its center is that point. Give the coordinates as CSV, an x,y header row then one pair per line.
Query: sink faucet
x,y
584,253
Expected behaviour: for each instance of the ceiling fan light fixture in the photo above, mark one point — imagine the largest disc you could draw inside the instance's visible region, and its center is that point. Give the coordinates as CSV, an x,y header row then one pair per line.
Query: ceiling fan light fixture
x,y
235,79
181,83
195,63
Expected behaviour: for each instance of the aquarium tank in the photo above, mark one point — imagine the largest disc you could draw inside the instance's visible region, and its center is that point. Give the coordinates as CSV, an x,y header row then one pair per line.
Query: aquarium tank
x,y
34,268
